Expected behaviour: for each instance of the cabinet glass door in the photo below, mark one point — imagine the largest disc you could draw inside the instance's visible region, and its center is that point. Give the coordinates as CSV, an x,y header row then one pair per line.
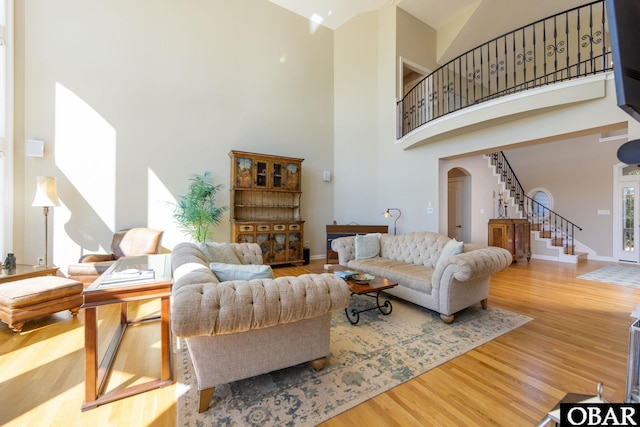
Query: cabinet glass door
x,y
295,247
292,177
279,247
261,174
245,238
244,172
264,240
277,176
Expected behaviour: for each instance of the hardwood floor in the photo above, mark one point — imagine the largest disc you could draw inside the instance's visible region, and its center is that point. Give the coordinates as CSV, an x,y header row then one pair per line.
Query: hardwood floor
x,y
578,336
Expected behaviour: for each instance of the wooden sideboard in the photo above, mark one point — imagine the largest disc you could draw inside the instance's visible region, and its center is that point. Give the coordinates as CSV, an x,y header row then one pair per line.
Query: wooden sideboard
x,y
265,205
335,230
513,235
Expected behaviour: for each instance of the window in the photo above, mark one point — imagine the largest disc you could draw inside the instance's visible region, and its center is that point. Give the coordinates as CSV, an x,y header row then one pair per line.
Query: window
x,y
6,125
542,202
631,170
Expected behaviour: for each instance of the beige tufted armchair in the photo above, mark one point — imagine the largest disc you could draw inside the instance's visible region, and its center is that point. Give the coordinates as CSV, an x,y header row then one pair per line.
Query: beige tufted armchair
x,y
242,328
130,242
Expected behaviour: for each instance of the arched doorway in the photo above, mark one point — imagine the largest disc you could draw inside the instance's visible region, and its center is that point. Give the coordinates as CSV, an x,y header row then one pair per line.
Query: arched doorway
x,y
458,205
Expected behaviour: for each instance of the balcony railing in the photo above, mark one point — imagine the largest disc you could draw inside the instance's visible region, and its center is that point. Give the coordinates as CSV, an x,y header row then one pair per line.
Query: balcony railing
x,y
565,46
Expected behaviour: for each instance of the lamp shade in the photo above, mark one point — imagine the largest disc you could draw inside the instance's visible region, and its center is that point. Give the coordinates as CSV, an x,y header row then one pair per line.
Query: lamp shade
x,y
46,193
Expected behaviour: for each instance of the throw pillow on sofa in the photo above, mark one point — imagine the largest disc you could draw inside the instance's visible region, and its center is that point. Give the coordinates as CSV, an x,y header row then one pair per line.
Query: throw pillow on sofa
x,y
226,272
367,245
453,247
219,252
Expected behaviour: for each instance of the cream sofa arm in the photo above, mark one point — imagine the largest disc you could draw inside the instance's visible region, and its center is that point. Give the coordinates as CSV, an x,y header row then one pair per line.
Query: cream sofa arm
x,y
223,308
472,265
346,249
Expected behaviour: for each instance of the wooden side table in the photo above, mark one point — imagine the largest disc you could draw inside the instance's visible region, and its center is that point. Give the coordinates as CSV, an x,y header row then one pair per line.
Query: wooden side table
x,y
23,271
98,294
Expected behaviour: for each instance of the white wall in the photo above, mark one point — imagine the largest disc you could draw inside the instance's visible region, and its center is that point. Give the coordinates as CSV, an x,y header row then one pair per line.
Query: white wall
x,y
579,185
375,173
556,149
132,98
356,123
412,173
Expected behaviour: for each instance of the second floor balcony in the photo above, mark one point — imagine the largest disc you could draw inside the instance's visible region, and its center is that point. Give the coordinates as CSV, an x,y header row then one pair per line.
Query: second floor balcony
x,y
565,46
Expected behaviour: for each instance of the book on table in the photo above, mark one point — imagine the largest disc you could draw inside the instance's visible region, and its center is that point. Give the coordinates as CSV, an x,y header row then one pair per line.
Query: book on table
x,y
124,277
346,274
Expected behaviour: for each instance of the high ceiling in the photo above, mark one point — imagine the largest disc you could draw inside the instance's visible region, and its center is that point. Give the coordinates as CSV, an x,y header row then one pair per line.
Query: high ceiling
x,y
466,22
334,13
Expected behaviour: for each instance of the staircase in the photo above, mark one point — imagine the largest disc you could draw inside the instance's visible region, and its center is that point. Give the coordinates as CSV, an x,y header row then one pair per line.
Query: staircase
x,y
548,228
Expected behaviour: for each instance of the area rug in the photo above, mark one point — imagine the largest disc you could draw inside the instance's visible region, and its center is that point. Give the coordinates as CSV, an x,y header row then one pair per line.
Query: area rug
x,y
616,275
367,359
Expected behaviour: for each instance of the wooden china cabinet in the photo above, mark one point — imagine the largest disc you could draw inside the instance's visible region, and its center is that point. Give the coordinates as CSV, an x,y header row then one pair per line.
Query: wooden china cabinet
x,y
513,235
265,205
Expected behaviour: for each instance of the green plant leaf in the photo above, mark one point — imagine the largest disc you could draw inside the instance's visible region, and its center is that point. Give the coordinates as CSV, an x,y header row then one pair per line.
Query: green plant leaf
x,y
196,212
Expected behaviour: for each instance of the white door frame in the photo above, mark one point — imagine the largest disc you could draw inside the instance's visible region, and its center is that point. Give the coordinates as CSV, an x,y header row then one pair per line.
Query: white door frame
x,y
466,204
618,182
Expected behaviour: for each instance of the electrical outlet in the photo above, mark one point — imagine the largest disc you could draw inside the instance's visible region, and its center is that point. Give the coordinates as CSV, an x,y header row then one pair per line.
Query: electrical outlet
x,y
306,243
40,260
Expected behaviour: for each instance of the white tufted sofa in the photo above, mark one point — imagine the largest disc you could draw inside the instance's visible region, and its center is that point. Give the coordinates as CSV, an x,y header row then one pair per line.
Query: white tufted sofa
x,y
240,329
411,259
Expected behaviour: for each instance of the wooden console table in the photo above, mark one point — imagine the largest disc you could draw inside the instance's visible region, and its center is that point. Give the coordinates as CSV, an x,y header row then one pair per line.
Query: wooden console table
x,y
98,294
335,230
513,235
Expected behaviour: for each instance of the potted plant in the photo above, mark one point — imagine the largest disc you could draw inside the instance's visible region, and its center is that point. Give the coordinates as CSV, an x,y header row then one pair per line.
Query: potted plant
x,y
196,212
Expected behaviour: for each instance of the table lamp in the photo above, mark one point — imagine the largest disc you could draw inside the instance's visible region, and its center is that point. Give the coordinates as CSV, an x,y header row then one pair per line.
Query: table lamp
x,y
46,197
387,214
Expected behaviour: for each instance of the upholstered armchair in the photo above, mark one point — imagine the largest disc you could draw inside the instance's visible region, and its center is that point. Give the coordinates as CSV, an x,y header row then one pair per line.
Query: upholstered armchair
x,y
130,242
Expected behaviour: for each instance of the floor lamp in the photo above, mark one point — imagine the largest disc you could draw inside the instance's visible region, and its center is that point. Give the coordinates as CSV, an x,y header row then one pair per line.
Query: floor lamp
x,y
387,214
46,197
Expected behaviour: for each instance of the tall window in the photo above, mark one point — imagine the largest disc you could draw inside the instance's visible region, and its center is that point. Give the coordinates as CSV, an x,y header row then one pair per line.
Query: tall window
x,y
6,128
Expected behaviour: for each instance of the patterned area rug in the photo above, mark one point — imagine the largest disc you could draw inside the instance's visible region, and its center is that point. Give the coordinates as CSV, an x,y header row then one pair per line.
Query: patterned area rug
x,y
367,359
616,275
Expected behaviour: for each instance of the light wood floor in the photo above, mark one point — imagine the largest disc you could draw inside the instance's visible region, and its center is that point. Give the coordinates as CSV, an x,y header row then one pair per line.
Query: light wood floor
x,y
578,337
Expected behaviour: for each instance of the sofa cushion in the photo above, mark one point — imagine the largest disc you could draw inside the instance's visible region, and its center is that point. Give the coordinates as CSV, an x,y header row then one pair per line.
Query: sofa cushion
x,y
413,276
238,306
367,246
453,247
418,247
219,252
227,272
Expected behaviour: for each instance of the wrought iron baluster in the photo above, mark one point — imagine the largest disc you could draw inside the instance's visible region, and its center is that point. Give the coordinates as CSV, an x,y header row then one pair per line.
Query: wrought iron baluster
x,y
566,31
535,62
578,47
443,94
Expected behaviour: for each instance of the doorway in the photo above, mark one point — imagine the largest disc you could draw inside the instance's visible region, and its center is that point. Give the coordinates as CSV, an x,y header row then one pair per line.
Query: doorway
x,y
627,213
458,206
410,75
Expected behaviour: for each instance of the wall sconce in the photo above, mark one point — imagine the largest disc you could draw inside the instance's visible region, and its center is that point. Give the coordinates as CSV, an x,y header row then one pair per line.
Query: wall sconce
x,y
46,197
387,214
